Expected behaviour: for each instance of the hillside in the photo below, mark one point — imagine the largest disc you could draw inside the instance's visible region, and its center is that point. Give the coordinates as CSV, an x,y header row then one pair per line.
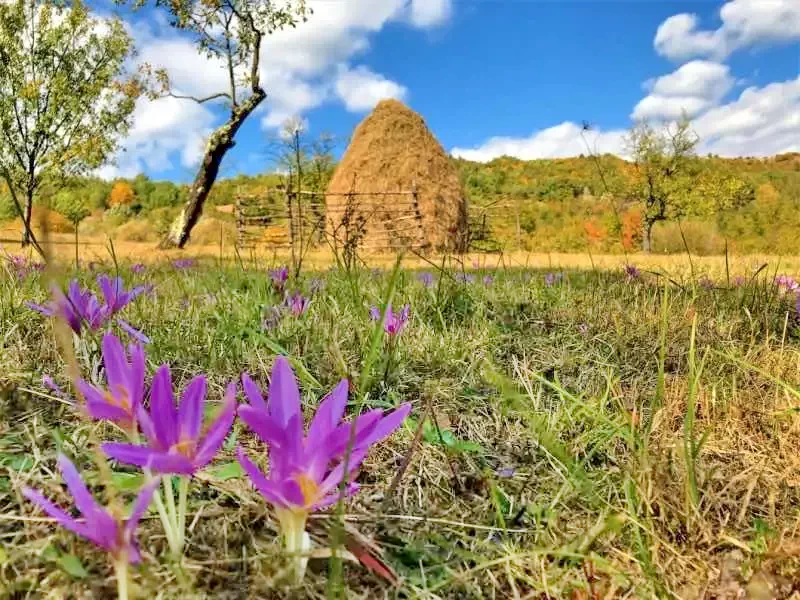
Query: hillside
x,y
573,204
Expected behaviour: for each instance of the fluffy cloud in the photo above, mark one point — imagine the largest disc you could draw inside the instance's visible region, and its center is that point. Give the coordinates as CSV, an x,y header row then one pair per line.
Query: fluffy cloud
x,y
744,23
300,68
761,122
693,88
360,89
554,142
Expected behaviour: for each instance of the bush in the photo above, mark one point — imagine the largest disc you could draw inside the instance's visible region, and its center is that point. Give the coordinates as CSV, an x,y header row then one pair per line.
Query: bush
x,y
702,238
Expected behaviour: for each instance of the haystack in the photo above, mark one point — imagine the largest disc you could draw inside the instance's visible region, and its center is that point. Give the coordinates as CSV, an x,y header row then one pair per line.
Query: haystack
x,y
398,180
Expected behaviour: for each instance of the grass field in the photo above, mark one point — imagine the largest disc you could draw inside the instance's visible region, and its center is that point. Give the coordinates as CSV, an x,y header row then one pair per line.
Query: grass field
x,y
600,437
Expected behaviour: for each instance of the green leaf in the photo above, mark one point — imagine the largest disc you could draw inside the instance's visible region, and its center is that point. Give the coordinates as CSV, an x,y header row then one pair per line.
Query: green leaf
x,y
18,463
72,565
127,482
50,553
231,470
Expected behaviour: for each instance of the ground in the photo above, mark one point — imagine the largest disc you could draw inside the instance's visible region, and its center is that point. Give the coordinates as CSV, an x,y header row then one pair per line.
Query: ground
x,y
600,437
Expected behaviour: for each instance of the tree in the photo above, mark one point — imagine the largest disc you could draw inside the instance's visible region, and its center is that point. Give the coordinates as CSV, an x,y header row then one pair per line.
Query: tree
x,y
75,207
231,32
63,101
121,195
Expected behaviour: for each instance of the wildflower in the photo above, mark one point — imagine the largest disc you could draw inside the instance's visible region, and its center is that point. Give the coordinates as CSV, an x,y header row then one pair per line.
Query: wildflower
x,y
138,268
583,328
787,283
553,278
425,279
279,278
78,306
174,434
465,277
125,376
739,281
183,263
706,283
632,272
488,280
115,295
50,384
395,322
99,525
298,304
305,471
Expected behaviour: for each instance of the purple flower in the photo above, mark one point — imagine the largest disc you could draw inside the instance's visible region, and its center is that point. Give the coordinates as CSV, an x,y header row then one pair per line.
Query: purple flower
x,y
176,443
115,295
50,384
305,471
631,273
553,278
78,306
395,322
125,376
279,277
739,281
298,304
465,277
706,283
583,328
787,283
488,280
138,268
425,279
183,263
98,525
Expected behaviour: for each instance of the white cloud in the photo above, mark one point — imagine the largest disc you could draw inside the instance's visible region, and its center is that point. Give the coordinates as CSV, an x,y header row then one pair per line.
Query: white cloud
x,y
761,122
428,13
360,89
693,88
554,142
744,23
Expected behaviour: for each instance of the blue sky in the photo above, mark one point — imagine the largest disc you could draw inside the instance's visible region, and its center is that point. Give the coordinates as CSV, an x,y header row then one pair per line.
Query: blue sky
x,y
497,77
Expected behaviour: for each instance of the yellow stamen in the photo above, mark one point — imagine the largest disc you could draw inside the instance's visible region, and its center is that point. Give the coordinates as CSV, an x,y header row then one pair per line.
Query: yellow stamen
x,y
186,447
308,487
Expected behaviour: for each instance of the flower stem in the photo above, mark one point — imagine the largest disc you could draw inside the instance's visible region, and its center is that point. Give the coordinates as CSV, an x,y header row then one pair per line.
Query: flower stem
x,y
165,522
121,571
183,492
169,492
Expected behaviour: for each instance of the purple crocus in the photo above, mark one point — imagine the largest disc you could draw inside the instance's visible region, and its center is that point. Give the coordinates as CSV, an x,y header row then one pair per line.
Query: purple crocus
x,y
183,263
553,278
465,277
78,306
787,283
706,283
739,281
298,304
305,471
395,322
488,280
138,268
176,443
279,278
123,399
99,525
632,272
114,292
272,319
425,279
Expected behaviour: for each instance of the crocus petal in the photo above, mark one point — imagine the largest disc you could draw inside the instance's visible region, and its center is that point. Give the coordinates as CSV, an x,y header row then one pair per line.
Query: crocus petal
x,y
147,427
190,412
83,499
218,430
284,395
103,411
331,499
116,364
375,313
329,413
63,519
270,490
149,458
141,504
136,375
262,425
107,288
334,478
132,331
386,425
46,310
162,408
253,393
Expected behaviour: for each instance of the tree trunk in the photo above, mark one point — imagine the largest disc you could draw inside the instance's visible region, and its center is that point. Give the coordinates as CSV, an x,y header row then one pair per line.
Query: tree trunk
x,y
647,237
26,225
218,145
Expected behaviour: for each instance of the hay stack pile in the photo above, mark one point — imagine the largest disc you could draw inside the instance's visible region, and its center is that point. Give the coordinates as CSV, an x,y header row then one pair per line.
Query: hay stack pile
x,y
392,150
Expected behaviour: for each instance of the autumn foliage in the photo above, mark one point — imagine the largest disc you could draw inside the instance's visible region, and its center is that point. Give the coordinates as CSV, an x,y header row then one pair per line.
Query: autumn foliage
x,y
632,229
121,194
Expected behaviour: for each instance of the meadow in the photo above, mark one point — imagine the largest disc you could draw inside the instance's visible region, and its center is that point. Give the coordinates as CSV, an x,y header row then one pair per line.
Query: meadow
x,y
577,431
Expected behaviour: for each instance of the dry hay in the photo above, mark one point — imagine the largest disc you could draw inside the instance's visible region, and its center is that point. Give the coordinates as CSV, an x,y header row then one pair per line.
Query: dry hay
x,y
392,150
